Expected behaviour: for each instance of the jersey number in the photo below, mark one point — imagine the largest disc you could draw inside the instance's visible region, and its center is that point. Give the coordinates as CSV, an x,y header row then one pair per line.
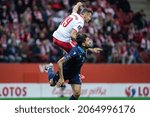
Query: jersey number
x,y
67,21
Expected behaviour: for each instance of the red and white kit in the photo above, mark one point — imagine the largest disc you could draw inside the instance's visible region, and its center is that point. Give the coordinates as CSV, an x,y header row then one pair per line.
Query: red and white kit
x,y
62,36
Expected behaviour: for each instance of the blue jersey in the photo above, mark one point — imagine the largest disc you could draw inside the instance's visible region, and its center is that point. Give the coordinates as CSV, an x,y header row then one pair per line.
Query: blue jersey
x,y
72,66
74,61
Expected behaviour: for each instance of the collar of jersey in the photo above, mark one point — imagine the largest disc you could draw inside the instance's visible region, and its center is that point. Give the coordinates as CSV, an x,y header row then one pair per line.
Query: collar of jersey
x,y
81,49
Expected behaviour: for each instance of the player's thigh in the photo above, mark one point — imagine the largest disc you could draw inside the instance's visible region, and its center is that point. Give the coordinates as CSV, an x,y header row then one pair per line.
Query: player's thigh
x,y
64,45
76,88
67,46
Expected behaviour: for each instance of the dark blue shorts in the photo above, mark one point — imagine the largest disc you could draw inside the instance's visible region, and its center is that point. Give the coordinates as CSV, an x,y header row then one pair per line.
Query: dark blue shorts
x,y
75,79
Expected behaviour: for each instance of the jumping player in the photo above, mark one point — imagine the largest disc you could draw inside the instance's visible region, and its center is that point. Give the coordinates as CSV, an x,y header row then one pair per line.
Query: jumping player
x,y
70,65
66,34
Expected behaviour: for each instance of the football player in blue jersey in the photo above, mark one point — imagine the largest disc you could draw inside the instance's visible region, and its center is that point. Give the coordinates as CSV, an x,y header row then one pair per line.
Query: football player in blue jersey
x,y
70,65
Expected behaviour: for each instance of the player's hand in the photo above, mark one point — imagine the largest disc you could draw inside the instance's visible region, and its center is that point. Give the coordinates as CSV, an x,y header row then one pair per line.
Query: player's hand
x,y
60,82
79,4
97,50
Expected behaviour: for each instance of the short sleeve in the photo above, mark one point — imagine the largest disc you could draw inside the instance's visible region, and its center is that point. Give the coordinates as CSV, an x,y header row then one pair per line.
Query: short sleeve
x,y
72,54
78,26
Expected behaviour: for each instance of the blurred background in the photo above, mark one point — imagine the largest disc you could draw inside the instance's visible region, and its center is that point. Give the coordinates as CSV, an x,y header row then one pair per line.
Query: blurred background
x,y
120,27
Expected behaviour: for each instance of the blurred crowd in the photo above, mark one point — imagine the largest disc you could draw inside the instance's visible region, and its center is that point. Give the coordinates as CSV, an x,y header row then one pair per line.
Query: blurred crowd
x,y
26,28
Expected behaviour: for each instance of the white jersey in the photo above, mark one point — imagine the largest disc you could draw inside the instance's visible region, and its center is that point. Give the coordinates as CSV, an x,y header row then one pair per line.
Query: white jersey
x,y
74,21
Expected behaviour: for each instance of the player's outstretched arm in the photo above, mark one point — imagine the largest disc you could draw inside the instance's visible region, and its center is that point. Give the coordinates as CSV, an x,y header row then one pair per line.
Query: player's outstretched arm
x,y
76,7
95,50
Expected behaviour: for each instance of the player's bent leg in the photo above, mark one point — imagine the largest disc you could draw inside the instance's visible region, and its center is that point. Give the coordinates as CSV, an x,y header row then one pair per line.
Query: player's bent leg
x,y
76,88
50,69
50,74
54,80
50,77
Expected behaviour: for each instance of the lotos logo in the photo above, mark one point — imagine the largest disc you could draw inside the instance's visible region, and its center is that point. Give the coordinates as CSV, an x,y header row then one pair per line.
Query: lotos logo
x,y
130,91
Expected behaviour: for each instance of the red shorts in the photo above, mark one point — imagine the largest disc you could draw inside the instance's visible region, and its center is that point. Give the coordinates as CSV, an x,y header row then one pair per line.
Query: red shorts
x,y
65,45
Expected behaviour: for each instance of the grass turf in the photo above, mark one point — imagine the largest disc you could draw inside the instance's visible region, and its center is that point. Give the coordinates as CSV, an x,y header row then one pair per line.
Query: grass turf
x,y
82,98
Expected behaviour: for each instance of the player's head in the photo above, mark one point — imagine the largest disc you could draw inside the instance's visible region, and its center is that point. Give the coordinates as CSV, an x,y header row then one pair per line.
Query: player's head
x,y
84,41
87,14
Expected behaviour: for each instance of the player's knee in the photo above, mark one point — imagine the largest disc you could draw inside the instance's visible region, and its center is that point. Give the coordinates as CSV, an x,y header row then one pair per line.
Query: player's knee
x,y
52,84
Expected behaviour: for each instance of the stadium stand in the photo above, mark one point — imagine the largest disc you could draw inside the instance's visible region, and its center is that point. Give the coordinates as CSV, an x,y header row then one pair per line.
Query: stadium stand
x,y
26,28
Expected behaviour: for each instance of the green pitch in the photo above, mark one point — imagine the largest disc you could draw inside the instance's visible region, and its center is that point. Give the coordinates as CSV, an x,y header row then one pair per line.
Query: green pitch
x,y
82,98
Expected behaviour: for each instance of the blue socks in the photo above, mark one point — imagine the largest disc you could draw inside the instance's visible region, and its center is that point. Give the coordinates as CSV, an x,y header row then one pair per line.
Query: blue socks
x,y
50,74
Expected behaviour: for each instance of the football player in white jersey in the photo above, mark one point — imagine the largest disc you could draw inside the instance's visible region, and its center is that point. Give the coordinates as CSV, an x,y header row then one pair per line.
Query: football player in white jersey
x,y
65,35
